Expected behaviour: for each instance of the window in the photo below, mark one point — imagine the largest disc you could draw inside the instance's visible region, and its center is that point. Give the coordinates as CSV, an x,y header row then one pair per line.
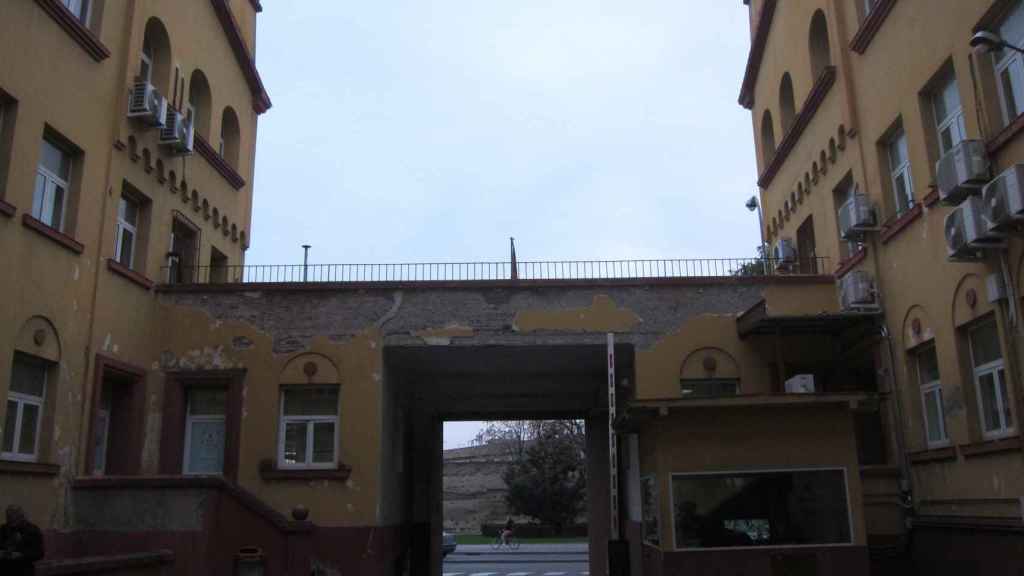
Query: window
x,y
181,259
49,201
899,172
146,62
309,428
24,409
230,134
709,388
127,230
767,137
218,272
649,510
787,103
1009,66
155,64
818,44
931,397
990,380
765,508
205,431
8,111
949,115
80,8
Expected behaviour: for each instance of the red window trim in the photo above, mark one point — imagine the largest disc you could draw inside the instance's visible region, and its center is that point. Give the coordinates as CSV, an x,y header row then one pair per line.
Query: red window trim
x,y
894,226
219,163
7,209
125,272
1009,444
78,32
269,472
944,454
18,468
853,260
53,234
821,89
870,26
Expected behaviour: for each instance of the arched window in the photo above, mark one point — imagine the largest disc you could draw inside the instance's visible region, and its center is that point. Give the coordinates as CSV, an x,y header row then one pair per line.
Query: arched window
x,y
787,104
767,137
821,52
199,102
229,137
155,65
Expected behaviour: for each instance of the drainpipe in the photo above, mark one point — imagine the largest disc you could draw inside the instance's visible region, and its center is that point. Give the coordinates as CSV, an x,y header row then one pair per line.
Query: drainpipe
x,y
903,461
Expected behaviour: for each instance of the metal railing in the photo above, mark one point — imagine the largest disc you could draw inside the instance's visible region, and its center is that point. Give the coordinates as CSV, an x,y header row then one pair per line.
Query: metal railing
x,y
494,271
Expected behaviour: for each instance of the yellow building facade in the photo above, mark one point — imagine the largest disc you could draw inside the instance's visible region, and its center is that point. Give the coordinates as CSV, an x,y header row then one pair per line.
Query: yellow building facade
x,y
864,114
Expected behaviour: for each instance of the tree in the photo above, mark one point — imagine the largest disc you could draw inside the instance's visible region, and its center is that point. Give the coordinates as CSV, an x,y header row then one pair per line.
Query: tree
x,y
548,483
756,267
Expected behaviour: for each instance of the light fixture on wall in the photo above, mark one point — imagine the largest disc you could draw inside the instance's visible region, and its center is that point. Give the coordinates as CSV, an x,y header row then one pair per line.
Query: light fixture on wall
x,y
755,206
990,42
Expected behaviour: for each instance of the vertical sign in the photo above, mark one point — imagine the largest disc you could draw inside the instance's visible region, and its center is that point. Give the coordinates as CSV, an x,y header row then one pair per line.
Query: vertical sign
x,y
613,447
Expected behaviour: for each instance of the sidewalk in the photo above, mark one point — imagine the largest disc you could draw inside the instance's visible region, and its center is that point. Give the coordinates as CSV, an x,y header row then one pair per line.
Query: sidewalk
x,y
565,548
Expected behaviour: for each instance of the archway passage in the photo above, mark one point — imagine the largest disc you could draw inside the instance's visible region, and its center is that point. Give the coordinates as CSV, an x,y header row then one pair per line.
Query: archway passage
x,y
426,386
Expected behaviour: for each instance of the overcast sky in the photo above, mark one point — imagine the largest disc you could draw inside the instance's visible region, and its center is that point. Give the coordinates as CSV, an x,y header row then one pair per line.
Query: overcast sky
x,y
432,130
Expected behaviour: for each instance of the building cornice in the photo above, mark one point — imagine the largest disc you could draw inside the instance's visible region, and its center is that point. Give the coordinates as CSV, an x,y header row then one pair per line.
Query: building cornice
x,y
764,23
821,89
260,98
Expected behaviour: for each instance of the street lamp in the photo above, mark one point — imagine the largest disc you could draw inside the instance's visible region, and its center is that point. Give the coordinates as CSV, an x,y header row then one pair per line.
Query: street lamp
x,y
753,205
990,42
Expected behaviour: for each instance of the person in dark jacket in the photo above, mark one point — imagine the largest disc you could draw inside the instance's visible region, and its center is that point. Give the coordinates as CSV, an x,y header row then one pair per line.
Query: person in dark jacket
x,y
21,544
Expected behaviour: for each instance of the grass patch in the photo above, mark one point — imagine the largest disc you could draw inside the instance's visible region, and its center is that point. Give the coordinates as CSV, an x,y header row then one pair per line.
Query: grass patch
x,y
478,539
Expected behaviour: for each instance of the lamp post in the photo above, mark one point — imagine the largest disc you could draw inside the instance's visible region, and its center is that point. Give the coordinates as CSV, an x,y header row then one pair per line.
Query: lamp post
x,y
990,42
305,262
754,205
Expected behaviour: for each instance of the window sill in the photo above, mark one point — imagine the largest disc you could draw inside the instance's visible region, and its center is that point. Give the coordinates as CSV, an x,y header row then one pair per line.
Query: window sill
x,y
133,276
271,473
59,237
79,33
898,224
1005,136
822,86
219,163
942,454
1008,444
7,209
932,198
19,468
846,265
862,39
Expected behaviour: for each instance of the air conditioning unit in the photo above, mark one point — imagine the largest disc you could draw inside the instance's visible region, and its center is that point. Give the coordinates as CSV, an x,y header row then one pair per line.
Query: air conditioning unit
x,y
146,104
178,133
1003,199
856,216
967,232
857,292
962,171
800,384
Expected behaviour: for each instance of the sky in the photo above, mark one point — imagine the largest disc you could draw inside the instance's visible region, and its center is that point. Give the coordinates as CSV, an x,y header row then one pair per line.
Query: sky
x,y
434,130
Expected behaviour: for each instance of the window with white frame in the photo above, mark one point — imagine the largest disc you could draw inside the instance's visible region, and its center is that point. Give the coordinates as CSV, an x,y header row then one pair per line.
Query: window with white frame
x,y
308,435
127,230
80,8
990,380
49,201
949,115
205,431
24,414
931,397
899,172
1009,65
146,62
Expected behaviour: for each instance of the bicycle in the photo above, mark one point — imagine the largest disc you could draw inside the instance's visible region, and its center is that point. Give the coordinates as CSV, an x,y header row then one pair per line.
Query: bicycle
x,y
510,543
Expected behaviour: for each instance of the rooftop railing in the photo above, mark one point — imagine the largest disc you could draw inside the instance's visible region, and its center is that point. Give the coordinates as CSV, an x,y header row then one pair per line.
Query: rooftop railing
x,y
494,271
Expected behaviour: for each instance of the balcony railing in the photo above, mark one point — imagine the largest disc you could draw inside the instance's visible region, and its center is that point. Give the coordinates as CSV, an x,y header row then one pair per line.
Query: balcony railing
x,y
494,271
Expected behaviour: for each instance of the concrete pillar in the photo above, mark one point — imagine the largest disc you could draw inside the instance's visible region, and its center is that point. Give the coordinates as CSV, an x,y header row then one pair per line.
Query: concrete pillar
x,y
598,507
426,475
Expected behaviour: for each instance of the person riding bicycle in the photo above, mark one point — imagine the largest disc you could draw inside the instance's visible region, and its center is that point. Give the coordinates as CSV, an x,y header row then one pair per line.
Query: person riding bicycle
x,y
506,533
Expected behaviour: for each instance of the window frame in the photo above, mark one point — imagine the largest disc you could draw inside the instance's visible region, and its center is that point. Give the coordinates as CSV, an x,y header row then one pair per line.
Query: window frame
x,y
147,60
50,182
846,487
994,368
124,226
954,120
21,399
902,170
310,422
931,387
1012,62
84,13
191,419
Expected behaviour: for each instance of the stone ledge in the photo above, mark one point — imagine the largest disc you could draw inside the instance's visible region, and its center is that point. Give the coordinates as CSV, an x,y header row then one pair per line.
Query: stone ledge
x,y
78,32
52,233
7,209
991,447
862,39
945,454
131,275
271,473
18,468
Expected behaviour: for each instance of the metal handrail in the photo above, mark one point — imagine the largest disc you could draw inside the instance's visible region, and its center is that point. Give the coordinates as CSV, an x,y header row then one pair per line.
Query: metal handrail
x,y
493,271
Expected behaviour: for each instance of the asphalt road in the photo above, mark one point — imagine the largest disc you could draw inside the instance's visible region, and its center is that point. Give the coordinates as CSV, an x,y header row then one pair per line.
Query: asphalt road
x,y
528,560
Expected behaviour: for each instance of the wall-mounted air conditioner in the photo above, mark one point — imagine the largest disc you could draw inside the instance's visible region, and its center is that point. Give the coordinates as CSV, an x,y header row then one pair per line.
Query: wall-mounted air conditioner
x,y
962,171
147,105
857,292
800,384
178,133
1003,200
967,232
856,216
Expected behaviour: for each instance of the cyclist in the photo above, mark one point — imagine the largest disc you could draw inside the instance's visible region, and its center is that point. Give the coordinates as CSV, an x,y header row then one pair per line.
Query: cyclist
x,y
506,533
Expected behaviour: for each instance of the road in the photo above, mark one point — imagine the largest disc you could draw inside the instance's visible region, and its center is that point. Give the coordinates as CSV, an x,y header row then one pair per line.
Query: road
x,y
528,560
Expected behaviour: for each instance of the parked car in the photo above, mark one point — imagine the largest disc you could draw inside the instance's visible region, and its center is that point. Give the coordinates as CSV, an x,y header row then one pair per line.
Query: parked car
x,y
447,543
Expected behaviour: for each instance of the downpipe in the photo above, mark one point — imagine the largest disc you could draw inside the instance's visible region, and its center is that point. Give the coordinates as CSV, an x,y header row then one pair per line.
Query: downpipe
x,y
905,485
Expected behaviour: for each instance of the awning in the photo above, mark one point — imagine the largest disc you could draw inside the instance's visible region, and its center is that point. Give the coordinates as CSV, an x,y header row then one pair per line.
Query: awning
x,y
757,321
